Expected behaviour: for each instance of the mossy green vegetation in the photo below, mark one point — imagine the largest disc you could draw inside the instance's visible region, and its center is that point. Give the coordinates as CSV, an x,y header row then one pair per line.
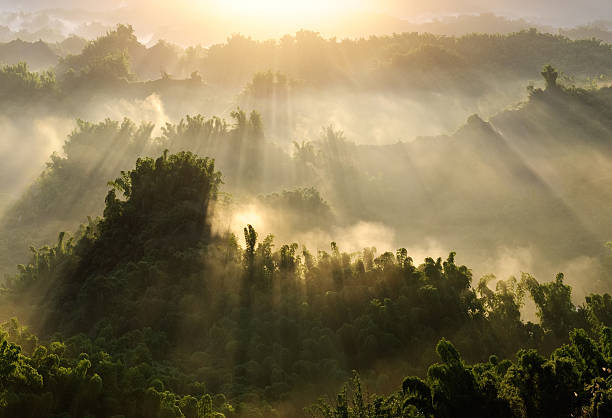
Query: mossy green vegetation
x,y
163,293
147,312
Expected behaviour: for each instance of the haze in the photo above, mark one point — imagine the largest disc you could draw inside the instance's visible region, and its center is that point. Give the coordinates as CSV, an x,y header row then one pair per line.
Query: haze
x,y
210,21
264,208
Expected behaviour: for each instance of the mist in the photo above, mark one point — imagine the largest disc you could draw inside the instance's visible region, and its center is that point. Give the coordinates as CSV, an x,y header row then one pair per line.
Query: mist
x,y
30,143
261,209
182,22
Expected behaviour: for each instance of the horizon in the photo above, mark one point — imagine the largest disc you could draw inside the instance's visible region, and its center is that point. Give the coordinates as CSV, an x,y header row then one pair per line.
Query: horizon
x,y
189,22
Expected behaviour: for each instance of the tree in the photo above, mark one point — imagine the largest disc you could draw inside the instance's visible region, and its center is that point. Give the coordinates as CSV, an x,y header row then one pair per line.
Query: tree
x,y
453,386
550,75
554,303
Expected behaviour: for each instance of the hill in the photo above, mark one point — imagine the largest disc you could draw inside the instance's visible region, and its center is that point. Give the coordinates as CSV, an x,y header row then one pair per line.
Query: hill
x,y
147,312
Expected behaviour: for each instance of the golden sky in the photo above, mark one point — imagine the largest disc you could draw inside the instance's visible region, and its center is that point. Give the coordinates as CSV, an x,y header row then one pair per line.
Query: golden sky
x,y
287,9
583,9
206,21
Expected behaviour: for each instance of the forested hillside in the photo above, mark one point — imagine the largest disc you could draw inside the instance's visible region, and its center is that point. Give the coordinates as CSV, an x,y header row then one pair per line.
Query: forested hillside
x,y
146,311
404,225
378,89
477,66
527,164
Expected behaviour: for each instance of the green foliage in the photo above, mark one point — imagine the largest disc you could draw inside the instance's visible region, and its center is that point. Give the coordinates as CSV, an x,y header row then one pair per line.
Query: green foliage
x,y
164,216
303,209
421,61
353,402
107,69
18,84
104,59
267,85
573,381
168,195
159,304
68,190
555,308
473,65
147,312
550,76
48,384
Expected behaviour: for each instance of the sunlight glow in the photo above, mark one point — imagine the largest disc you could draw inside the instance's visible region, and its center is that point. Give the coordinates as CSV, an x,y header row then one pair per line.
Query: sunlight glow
x,y
285,9
247,216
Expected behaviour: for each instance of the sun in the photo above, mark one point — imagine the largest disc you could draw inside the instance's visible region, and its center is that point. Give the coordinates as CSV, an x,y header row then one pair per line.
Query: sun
x,y
286,9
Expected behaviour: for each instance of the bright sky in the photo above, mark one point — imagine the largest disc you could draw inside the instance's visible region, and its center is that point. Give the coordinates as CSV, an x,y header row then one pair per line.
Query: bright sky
x,y
210,21
566,11
286,9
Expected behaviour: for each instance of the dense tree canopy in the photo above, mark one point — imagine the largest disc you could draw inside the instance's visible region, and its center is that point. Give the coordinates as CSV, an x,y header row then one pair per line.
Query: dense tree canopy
x,y
168,311
157,304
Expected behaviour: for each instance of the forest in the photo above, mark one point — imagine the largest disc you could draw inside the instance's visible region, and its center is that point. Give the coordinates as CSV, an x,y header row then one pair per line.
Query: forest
x,y
407,224
199,325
